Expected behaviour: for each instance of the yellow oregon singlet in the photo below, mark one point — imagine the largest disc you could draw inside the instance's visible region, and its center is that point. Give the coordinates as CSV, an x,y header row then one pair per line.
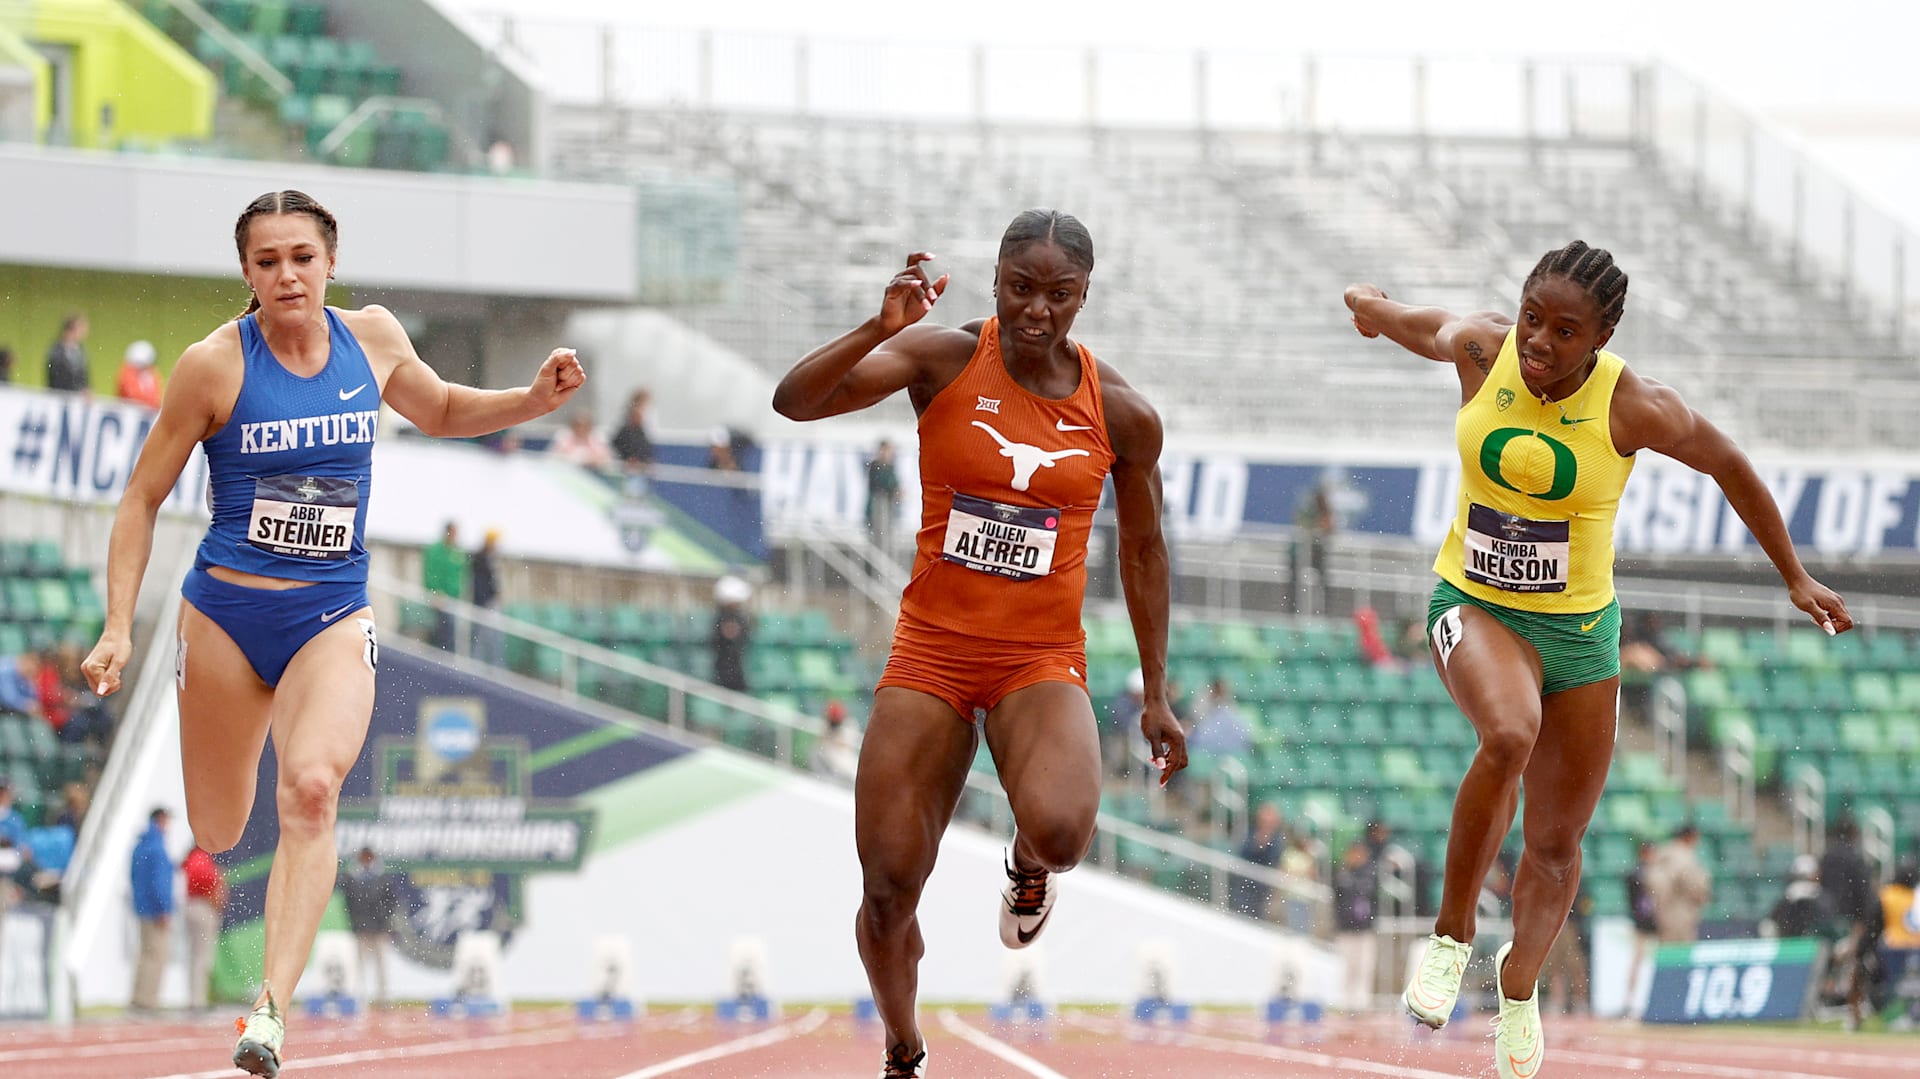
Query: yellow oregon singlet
x,y
1539,484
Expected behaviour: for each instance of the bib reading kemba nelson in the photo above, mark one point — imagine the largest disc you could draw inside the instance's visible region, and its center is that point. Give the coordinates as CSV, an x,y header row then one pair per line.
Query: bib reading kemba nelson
x,y
1539,484
290,474
1009,482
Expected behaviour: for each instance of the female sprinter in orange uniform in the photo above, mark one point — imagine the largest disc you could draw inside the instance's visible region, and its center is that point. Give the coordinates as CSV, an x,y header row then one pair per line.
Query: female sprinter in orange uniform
x,y
1524,626
1019,427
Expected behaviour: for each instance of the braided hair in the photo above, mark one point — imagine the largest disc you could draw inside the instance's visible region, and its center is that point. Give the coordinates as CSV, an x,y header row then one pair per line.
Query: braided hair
x,y
1065,230
1593,269
283,202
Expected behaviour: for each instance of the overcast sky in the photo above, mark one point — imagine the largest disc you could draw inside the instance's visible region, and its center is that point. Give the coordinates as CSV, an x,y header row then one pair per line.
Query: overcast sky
x,y
1837,52
1840,73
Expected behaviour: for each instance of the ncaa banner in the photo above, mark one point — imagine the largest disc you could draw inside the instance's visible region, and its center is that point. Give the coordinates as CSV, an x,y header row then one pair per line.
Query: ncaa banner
x,y
1834,508
80,448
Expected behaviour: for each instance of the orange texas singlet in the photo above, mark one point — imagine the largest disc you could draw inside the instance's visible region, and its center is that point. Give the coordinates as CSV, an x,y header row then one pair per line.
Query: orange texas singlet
x,y
1009,481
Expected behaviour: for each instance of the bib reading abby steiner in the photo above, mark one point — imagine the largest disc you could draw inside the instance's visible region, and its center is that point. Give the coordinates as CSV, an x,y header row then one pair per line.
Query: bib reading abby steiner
x,y
1016,542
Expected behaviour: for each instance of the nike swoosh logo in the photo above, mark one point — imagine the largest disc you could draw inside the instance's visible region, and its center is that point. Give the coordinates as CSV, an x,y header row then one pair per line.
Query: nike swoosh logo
x,y
1026,935
1524,1069
1569,423
331,615
348,395
1585,626
1062,425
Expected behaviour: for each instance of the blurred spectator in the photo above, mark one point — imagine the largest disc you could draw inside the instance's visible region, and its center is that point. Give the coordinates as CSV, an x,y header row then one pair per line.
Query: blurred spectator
x,y
720,451
1221,729
1641,649
1373,644
1646,931
153,906
1563,974
1496,893
13,827
1847,879
1356,892
1680,886
1803,909
88,719
732,632
1900,941
1266,841
883,496
580,443
67,357
14,867
1314,522
51,691
371,905
443,572
484,592
632,443
75,799
1122,721
139,379
500,157
6,363
20,683
1377,835
837,753
206,900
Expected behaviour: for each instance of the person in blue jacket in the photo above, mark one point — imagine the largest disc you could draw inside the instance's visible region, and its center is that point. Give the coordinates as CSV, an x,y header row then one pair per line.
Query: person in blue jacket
x,y
153,905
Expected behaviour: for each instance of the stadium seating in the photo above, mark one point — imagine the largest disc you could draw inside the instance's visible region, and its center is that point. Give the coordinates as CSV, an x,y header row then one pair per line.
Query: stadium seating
x,y
1268,229
329,76
44,603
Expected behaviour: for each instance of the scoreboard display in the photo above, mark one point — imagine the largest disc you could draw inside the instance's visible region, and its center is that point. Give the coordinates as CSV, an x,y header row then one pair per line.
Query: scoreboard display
x,y
1724,981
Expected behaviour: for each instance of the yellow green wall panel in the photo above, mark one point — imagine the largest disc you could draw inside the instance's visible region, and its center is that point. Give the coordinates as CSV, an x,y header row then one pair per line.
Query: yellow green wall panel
x,y
155,89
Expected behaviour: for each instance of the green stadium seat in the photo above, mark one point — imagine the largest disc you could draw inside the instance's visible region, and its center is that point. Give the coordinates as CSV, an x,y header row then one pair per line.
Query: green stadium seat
x,y
1861,734
1873,691
306,18
1366,724
1708,690
1811,650
1906,691
1887,650
23,600
1748,687
1791,689
1903,733
1724,648
56,599
1402,768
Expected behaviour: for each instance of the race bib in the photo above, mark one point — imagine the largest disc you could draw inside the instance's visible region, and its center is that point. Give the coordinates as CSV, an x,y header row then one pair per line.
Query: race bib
x,y
1515,554
1009,541
304,516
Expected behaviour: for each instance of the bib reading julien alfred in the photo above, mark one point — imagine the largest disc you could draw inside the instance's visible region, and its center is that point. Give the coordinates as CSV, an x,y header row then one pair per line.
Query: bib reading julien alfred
x,y
1539,484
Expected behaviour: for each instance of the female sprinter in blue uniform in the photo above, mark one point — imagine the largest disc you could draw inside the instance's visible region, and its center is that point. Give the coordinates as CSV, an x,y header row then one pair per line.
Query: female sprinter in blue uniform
x,y
276,636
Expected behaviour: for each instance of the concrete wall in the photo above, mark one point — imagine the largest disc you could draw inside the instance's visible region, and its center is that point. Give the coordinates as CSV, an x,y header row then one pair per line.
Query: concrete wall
x,y
459,234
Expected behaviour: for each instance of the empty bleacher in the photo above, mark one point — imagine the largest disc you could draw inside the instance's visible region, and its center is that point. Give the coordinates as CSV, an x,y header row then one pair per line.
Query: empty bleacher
x,y
322,80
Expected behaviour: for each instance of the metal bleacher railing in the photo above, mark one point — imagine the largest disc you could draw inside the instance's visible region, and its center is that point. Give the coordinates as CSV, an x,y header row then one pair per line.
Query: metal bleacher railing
x,y
1759,276
687,707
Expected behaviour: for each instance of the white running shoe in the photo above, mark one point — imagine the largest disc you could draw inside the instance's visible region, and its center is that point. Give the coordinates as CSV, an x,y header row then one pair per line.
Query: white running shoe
x,y
1435,984
1025,903
1519,1045
261,1035
901,1066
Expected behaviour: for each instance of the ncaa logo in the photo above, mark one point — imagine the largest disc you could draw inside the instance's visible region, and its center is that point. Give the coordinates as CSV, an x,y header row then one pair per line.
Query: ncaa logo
x,y
452,734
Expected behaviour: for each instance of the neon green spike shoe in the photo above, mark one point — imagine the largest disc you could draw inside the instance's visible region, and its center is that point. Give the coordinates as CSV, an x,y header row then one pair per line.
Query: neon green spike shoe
x,y
261,1033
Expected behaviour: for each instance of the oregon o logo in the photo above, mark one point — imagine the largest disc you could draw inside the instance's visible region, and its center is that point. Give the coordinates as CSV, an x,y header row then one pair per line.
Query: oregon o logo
x,y
1565,468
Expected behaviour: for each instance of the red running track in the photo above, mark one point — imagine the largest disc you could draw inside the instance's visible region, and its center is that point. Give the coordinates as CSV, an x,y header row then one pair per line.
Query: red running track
x,y
689,1044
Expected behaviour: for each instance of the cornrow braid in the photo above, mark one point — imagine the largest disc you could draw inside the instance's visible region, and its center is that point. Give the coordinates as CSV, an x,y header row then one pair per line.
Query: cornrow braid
x,y
1064,229
283,202
1591,268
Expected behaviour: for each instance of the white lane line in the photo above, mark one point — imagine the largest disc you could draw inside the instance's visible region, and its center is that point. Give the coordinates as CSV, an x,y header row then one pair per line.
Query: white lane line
x,y
1654,1064
570,1032
806,1024
98,1049
1263,1051
997,1047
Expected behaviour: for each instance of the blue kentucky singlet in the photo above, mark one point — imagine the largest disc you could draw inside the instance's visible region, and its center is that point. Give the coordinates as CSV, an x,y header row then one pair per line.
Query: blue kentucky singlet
x,y
291,472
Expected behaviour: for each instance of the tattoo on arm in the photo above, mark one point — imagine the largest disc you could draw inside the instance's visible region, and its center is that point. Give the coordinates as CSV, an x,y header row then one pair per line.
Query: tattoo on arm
x,y
1479,356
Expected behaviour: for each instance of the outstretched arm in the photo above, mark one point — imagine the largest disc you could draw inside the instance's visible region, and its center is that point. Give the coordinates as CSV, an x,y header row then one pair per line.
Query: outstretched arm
x,y
1651,416
868,363
186,412
447,409
1145,578
1416,329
